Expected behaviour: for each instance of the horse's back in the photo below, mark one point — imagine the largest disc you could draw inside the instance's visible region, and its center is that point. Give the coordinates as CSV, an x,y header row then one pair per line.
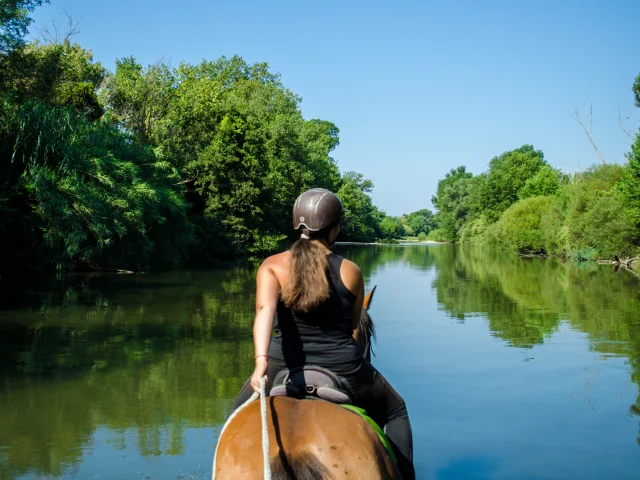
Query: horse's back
x,y
308,439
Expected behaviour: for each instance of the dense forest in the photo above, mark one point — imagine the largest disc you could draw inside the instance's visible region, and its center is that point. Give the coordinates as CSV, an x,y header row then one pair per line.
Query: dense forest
x,y
154,167
523,204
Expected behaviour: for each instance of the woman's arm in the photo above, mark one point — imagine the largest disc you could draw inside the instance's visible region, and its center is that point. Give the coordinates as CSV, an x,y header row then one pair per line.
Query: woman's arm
x,y
267,290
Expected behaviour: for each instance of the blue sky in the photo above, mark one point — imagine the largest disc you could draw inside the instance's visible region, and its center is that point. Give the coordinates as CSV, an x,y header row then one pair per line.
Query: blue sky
x,y
416,88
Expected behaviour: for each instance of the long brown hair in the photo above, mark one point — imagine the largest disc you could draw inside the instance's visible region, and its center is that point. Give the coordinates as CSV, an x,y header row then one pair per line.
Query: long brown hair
x,y
307,286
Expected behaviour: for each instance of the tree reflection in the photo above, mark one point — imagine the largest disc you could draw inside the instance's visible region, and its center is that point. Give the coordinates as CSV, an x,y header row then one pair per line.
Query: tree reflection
x,y
159,355
525,299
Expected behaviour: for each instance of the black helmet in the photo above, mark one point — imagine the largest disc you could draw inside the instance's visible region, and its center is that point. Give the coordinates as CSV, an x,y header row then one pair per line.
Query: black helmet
x,y
316,209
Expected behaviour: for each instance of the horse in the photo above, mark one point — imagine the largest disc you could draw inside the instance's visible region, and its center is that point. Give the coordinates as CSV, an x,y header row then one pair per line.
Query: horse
x,y
309,439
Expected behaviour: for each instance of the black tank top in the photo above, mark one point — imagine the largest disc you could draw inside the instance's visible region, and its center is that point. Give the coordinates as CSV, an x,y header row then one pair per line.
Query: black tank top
x,y
322,337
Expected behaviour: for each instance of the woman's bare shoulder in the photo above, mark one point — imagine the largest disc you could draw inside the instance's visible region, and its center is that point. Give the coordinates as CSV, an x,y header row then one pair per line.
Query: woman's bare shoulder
x,y
350,266
351,275
277,263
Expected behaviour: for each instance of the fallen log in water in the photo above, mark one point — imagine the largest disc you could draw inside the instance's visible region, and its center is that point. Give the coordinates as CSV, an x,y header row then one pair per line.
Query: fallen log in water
x,y
627,263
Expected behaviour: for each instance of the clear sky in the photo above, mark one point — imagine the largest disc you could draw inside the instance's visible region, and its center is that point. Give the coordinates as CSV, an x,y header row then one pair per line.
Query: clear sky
x,y
416,88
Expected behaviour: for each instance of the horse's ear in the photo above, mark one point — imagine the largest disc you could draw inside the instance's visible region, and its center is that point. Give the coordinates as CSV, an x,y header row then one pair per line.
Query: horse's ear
x,y
367,298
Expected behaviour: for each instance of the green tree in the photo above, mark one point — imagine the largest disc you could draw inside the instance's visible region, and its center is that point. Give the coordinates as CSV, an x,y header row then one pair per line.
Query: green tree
x,y
507,174
100,198
450,198
630,184
14,23
362,218
392,228
57,75
239,135
421,221
138,97
545,182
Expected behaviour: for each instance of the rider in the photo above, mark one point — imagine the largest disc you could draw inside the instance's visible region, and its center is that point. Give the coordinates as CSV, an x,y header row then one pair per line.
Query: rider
x,y
318,298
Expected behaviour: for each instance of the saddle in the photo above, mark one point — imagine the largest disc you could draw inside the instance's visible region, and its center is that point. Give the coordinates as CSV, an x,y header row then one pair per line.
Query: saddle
x,y
310,381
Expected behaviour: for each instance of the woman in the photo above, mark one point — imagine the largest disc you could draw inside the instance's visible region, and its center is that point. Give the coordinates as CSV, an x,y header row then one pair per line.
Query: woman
x,y
318,298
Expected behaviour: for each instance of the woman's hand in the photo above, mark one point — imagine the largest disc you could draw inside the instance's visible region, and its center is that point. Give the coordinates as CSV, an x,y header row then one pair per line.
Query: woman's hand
x,y
259,372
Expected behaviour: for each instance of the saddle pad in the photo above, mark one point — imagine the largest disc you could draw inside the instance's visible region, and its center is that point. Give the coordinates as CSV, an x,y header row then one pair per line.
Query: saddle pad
x,y
383,436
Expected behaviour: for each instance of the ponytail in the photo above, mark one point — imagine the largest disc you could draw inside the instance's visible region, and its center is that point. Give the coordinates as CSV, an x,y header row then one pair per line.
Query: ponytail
x,y
307,286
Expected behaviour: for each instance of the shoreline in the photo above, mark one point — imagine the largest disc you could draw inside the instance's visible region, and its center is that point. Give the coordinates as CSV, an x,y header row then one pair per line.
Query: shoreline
x,y
400,242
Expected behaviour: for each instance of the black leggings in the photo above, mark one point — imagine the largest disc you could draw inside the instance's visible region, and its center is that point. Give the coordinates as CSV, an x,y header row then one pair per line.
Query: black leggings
x,y
373,393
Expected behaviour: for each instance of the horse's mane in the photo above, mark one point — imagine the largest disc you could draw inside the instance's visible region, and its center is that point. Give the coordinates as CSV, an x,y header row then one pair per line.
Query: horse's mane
x,y
369,330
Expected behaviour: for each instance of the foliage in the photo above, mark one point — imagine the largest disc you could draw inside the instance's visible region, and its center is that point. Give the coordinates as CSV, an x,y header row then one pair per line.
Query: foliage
x,y
421,221
392,228
229,132
422,237
523,204
437,235
507,174
97,194
586,215
520,224
473,230
58,75
361,218
138,98
449,200
238,133
544,183
14,22
629,185
201,159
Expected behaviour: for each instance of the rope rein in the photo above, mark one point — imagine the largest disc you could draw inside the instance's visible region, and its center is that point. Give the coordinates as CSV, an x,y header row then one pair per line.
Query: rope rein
x,y
265,431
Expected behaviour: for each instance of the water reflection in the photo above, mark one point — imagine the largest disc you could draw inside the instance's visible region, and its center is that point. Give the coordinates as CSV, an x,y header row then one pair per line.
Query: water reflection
x,y
157,356
97,369
526,299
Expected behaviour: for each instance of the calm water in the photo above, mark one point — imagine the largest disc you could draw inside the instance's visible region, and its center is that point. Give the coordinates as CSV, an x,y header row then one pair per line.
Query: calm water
x,y
511,368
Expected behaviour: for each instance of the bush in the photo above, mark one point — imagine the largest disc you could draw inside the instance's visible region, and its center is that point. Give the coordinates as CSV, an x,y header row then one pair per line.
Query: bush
x,y
422,237
473,231
602,226
595,213
521,224
437,235
584,254
493,237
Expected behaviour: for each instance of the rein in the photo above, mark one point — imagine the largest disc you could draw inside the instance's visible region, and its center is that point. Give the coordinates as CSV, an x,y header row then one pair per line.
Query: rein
x,y
265,431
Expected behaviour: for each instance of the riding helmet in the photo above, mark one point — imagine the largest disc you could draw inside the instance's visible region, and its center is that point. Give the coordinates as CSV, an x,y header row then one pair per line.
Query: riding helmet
x,y
316,209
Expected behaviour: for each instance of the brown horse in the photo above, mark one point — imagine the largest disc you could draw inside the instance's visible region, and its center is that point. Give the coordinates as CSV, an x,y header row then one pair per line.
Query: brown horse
x,y
308,439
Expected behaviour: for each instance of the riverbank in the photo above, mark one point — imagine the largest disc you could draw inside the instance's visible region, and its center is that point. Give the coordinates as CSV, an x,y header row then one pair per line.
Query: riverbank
x,y
395,242
586,216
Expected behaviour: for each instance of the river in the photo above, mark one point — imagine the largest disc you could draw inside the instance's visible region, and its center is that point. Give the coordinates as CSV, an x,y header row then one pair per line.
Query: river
x,y
511,368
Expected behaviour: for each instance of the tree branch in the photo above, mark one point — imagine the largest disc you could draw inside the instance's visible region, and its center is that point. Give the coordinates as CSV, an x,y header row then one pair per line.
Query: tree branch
x,y
56,37
589,133
187,180
621,126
